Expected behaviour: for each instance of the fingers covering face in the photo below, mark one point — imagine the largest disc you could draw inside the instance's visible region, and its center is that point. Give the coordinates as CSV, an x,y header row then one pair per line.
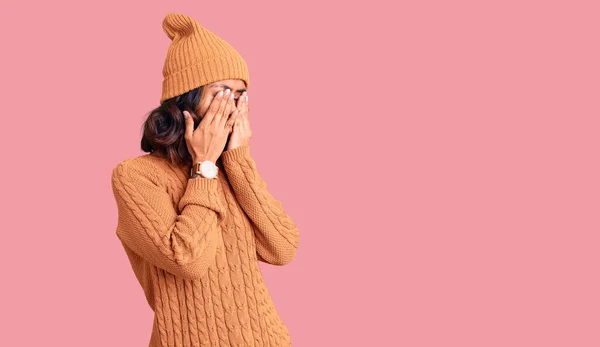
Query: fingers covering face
x,y
213,109
229,107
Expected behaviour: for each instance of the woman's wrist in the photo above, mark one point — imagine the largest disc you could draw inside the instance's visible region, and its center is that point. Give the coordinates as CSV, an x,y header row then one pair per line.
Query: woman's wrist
x,y
199,159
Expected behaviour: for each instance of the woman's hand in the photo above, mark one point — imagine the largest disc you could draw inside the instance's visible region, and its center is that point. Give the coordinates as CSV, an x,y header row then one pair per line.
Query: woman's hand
x,y
241,132
208,140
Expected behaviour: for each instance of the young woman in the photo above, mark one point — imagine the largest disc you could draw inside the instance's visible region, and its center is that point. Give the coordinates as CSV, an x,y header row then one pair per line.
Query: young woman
x,y
194,215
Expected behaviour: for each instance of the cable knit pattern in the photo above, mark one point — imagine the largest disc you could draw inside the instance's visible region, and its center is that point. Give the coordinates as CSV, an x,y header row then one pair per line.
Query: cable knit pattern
x,y
194,245
278,236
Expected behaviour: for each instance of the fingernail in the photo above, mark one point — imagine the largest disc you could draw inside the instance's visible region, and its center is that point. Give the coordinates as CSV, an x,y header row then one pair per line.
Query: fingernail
x,y
221,93
227,91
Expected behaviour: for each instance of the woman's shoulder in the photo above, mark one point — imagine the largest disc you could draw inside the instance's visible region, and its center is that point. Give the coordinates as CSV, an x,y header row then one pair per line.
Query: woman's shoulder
x,y
145,161
144,166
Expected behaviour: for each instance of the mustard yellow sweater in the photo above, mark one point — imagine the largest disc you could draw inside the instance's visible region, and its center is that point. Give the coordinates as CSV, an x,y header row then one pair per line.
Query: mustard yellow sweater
x,y
194,246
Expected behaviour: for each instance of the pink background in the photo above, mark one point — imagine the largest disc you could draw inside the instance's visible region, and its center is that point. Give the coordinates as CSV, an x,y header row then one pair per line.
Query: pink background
x,y
440,159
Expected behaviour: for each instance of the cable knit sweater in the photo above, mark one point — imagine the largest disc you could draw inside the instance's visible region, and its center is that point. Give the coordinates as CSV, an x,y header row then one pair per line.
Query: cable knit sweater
x,y
194,246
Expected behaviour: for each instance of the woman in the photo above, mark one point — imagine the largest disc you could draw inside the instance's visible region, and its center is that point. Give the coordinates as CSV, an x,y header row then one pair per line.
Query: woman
x,y
194,236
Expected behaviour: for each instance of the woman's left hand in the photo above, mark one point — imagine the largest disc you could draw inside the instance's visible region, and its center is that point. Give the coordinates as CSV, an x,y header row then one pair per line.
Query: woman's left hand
x,y
241,132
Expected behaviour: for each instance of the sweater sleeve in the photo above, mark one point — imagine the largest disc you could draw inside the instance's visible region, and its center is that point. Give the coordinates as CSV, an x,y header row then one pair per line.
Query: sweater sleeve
x,y
277,236
183,244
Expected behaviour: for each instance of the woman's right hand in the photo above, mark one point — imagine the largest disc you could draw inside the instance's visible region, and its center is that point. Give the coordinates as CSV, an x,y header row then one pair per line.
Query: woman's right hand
x,y
208,140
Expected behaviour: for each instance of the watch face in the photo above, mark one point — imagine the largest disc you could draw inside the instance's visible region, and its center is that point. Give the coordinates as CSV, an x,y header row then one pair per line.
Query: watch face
x,y
208,169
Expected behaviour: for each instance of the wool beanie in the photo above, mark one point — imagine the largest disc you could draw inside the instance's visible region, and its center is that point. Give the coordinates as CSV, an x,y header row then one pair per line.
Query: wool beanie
x,y
197,57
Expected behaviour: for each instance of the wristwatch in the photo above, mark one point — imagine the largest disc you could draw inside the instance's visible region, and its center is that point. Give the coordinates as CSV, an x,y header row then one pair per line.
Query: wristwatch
x,y
206,169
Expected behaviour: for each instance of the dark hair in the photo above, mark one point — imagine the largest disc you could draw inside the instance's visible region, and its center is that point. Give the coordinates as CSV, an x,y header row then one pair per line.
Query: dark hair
x,y
164,128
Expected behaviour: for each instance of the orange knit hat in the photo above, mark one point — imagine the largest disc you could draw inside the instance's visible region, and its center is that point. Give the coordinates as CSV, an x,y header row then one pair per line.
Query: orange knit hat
x,y
197,57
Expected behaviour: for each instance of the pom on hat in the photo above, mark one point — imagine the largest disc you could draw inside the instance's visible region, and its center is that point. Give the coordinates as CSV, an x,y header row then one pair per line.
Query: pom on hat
x,y
197,57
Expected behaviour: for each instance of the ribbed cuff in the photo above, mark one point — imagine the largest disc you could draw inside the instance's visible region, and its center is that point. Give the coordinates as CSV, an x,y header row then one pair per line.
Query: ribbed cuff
x,y
204,192
241,152
203,183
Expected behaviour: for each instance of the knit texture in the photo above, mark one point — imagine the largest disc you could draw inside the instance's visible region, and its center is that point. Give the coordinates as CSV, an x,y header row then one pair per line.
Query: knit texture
x,y
194,245
197,57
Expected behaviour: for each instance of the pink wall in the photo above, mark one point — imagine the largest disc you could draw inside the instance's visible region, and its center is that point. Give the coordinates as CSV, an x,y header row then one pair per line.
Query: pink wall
x,y
440,159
